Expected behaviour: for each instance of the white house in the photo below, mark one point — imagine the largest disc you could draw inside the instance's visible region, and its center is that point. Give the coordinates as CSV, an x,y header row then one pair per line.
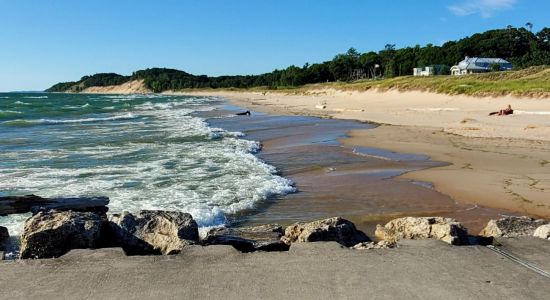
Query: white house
x,y
427,71
472,65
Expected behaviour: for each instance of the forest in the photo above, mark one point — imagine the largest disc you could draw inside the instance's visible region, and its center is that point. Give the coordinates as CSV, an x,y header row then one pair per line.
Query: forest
x,y
520,46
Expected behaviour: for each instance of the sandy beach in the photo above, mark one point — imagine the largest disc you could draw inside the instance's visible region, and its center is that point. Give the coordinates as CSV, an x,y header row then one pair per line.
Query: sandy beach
x,y
500,162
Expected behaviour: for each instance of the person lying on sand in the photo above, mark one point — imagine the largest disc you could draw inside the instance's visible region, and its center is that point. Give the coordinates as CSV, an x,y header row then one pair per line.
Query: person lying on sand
x,y
503,112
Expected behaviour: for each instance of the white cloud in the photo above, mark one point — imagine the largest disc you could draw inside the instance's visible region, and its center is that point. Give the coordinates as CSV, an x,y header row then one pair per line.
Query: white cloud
x,y
486,8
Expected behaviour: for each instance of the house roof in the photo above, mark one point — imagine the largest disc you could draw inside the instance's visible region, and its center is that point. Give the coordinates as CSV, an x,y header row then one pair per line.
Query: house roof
x,y
481,63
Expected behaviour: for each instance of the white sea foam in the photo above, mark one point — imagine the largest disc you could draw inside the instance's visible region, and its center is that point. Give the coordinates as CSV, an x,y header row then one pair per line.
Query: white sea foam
x,y
21,103
10,112
36,97
169,160
68,121
14,223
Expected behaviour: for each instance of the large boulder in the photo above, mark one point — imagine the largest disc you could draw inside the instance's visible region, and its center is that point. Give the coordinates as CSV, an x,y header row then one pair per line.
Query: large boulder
x,y
334,229
153,232
444,229
543,232
511,227
4,235
248,239
53,233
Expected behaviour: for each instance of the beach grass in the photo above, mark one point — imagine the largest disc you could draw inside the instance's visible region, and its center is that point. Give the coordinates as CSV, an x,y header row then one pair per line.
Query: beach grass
x,y
531,82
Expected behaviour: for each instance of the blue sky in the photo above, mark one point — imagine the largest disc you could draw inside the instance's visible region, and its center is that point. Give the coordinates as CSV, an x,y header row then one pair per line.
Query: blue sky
x,y
44,42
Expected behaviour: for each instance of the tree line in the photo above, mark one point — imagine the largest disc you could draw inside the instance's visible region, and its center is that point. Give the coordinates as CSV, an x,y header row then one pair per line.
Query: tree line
x,y
520,46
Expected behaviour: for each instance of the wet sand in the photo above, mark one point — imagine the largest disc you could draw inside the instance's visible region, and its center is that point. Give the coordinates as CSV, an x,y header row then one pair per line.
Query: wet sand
x,y
500,173
497,162
335,179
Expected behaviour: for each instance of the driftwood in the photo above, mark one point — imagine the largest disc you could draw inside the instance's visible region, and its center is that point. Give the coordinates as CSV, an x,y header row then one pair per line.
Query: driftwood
x,y
34,204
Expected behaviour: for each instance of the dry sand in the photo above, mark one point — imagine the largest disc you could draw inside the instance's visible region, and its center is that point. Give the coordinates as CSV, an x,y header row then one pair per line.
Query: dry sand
x,y
463,115
498,162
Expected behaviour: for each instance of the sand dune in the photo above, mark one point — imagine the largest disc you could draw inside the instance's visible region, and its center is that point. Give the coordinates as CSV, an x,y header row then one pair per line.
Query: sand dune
x,y
130,87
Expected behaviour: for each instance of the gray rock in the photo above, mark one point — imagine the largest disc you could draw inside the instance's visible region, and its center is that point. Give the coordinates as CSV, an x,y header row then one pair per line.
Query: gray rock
x,y
543,232
248,239
444,229
372,245
34,204
153,232
54,233
4,235
512,227
333,229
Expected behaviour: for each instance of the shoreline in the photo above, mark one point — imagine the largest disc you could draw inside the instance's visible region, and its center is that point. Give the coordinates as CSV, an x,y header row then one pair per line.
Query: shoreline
x,y
455,114
334,179
442,264
496,169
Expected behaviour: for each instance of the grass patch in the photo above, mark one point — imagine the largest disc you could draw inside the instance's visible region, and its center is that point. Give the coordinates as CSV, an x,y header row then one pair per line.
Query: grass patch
x,y
531,82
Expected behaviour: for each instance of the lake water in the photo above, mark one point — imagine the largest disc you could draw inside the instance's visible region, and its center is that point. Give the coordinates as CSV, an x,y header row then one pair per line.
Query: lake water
x,y
142,151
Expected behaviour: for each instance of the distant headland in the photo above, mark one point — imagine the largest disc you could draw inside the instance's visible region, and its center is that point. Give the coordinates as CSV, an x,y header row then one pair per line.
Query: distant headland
x,y
390,68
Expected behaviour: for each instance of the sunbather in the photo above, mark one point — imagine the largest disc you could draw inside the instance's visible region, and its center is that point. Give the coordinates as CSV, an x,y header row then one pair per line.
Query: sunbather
x,y
503,112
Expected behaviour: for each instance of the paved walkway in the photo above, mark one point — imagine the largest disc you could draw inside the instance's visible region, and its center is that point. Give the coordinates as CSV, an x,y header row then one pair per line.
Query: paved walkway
x,y
416,270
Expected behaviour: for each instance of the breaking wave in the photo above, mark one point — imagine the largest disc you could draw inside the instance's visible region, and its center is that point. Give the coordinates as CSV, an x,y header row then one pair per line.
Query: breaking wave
x,y
162,157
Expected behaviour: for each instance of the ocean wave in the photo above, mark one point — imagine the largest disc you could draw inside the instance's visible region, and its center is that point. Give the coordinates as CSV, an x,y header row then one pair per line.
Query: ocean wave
x,y
21,103
170,159
7,113
36,97
23,122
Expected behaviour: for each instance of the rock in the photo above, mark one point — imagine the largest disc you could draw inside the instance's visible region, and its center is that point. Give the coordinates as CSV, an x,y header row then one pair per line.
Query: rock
x,y
153,232
511,227
333,229
248,239
444,229
4,235
543,232
372,245
54,233
34,204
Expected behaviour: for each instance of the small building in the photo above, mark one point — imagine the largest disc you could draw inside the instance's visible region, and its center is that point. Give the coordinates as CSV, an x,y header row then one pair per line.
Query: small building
x,y
427,71
471,65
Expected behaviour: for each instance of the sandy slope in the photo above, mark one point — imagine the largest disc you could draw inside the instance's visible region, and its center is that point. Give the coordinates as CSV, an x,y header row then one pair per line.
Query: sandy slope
x,y
130,87
500,162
